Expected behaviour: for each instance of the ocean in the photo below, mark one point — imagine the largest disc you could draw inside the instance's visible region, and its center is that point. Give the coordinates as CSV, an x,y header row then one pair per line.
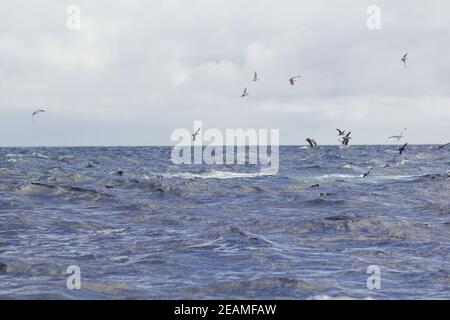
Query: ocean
x,y
140,227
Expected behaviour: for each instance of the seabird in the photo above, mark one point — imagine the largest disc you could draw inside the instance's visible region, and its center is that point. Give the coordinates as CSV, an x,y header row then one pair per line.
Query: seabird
x,y
315,186
255,76
245,93
37,112
404,58
293,79
444,145
340,132
368,172
398,137
312,142
402,148
345,141
195,134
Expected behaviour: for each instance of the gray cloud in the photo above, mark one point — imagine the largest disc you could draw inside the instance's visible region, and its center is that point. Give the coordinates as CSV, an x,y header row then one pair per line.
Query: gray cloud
x,y
137,70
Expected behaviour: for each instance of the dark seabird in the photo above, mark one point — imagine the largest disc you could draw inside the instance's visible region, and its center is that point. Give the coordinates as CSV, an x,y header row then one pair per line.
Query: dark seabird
x,y
402,148
345,140
195,134
444,145
37,112
312,143
89,165
404,58
245,93
293,79
341,132
315,186
120,173
368,172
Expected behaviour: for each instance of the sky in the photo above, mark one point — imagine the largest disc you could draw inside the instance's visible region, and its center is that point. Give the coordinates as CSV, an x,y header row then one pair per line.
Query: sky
x,y
137,70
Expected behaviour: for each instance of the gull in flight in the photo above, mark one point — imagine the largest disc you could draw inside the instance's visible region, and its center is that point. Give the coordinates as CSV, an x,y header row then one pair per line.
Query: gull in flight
x,y
255,76
402,148
345,140
444,145
368,172
398,137
195,134
341,132
293,79
312,143
245,93
37,112
404,58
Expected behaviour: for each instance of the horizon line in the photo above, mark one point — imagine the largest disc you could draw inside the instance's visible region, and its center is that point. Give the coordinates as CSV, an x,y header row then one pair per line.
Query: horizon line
x,y
170,146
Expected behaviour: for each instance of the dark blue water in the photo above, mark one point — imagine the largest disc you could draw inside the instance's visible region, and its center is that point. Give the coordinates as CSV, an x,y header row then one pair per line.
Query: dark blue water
x,y
163,231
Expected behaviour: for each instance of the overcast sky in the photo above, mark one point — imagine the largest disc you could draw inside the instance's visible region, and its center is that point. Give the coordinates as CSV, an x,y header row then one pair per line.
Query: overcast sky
x,y
139,69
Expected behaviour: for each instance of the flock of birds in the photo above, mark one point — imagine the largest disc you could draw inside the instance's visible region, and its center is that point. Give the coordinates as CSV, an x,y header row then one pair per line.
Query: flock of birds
x,y
344,137
292,81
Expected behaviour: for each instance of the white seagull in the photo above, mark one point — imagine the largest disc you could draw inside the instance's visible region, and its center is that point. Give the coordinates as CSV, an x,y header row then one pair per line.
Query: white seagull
x,y
195,134
293,79
245,93
37,112
398,137
404,58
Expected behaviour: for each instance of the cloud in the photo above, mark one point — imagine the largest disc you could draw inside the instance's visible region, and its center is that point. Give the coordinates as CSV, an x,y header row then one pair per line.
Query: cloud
x,y
137,70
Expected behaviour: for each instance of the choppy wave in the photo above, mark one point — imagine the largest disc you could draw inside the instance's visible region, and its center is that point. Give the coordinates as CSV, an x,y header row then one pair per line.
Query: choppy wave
x,y
141,227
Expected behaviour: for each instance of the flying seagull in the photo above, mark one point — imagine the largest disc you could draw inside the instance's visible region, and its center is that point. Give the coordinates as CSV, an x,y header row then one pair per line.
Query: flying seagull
x,y
341,132
444,145
293,79
398,137
37,112
345,140
245,93
405,57
312,143
402,148
255,76
195,134
368,172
